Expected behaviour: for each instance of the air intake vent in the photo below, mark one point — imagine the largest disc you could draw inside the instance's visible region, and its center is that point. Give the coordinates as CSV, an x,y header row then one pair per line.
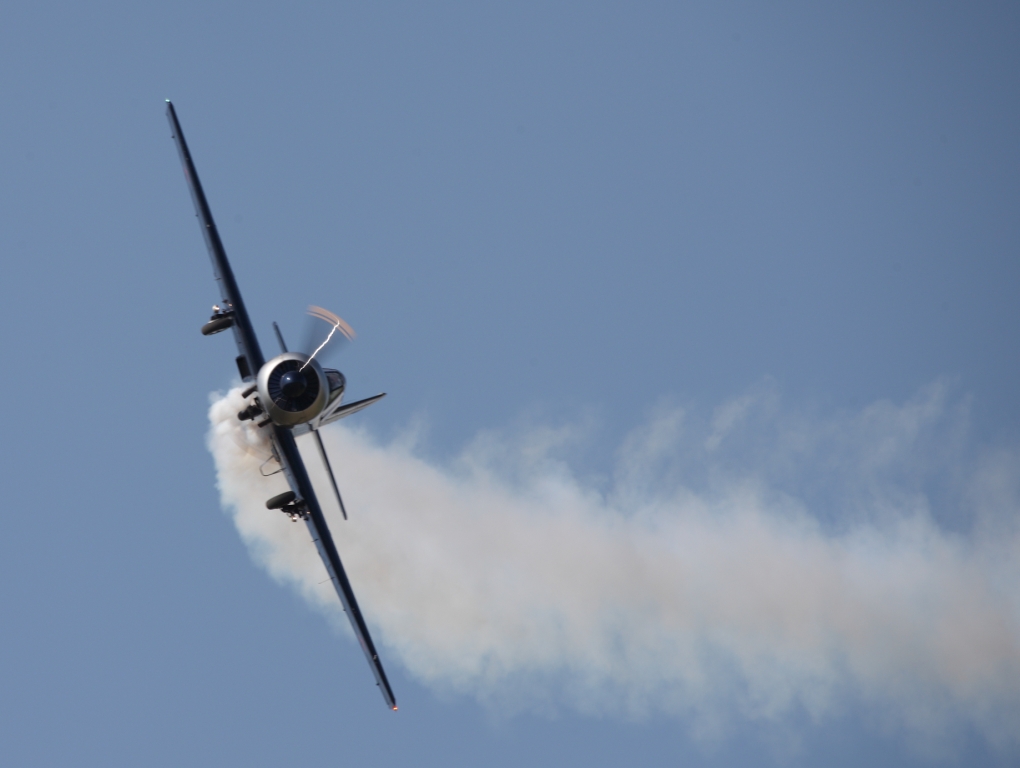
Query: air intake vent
x,y
296,392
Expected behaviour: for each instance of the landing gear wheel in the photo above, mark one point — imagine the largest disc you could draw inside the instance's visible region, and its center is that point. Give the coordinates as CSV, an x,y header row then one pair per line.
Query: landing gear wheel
x,y
217,324
278,502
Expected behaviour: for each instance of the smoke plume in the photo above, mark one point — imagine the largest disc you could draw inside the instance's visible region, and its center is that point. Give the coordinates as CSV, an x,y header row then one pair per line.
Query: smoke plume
x,y
752,564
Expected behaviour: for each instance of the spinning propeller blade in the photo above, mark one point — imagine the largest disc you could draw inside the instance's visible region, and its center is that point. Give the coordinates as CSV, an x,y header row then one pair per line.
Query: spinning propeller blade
x,y
338,327
335,320
279,338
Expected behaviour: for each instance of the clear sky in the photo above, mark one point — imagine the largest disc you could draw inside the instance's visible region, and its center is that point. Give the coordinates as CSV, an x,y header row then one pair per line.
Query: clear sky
x,y
680,262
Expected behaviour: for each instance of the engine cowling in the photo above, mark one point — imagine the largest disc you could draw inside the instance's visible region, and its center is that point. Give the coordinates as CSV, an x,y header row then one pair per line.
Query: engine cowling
x,y
292,389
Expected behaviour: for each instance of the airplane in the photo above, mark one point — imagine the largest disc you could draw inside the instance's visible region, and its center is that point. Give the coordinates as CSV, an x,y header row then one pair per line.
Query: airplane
x,y
289,395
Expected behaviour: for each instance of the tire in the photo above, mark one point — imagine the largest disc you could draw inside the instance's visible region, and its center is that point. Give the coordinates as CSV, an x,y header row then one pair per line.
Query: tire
x,y
216,325
281,501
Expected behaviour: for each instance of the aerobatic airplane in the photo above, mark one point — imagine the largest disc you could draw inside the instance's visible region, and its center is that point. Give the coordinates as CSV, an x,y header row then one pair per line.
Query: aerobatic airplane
x,y
289,395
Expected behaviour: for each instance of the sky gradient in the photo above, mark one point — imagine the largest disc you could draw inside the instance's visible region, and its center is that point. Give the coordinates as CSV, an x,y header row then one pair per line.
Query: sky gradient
x,y
666,250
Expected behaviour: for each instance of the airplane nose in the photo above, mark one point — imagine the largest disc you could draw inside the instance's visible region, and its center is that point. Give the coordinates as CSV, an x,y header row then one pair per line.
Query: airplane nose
x,y
293,384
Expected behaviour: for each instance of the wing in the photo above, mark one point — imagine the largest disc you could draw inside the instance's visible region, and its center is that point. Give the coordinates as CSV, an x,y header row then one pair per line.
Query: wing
x,y
250,360
330,557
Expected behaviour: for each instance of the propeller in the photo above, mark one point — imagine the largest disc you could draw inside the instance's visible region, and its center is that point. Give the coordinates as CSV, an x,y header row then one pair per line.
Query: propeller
x,y
315,344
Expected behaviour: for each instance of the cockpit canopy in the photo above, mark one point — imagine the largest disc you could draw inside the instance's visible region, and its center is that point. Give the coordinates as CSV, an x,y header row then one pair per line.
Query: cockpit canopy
x,y
337,383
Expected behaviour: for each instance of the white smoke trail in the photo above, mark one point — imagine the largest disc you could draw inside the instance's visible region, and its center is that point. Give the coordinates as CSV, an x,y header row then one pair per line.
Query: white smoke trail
x,y
725,599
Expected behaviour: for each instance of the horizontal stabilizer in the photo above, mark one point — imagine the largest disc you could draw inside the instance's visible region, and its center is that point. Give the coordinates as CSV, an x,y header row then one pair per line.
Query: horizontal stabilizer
x,y
347,410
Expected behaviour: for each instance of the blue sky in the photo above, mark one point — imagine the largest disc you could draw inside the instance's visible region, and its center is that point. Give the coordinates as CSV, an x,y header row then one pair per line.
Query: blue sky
x,y
650,252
